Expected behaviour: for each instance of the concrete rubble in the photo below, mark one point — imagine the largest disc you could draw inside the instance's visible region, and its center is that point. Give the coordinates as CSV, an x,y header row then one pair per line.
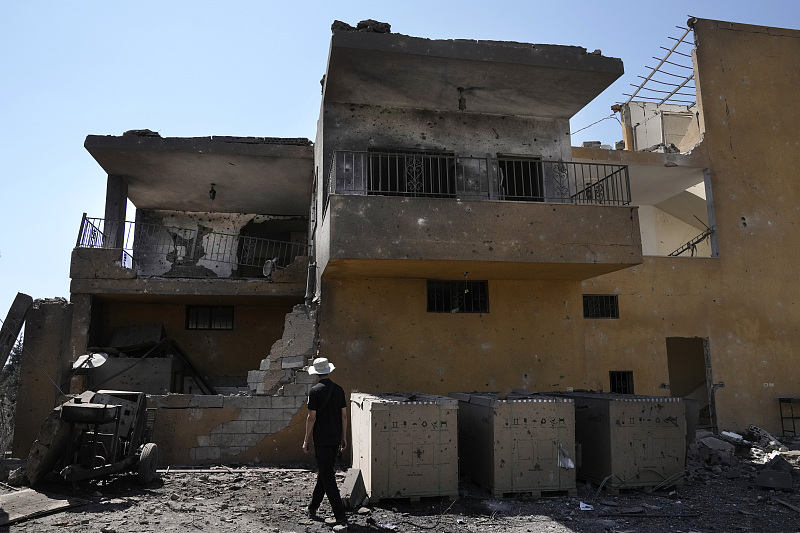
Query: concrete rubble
x,y
731,483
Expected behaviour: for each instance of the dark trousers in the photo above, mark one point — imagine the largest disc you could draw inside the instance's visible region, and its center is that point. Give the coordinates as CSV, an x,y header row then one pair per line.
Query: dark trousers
x,y
326,481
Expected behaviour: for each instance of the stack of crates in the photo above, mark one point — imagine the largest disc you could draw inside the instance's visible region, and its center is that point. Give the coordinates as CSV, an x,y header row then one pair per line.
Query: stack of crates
x,y
406,445
524,443
628,441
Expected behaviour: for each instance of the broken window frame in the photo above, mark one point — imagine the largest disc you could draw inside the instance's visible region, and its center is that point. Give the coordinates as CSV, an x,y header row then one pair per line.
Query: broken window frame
x,y
209,317
600,306
458,296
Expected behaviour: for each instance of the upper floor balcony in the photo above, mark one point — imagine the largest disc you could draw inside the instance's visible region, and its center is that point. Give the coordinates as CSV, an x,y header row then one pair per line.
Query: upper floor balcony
x,y
446,175
426,214
113,257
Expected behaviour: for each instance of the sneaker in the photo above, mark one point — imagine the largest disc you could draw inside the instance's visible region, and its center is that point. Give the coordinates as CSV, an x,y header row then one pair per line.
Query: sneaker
x,y
331,522
312,514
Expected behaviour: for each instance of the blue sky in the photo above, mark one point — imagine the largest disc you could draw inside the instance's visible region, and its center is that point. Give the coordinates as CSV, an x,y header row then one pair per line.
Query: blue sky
x,y
248,68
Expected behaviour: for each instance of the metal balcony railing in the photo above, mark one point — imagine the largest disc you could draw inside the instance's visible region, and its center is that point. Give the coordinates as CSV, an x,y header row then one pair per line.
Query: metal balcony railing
x,y
446,175
145,242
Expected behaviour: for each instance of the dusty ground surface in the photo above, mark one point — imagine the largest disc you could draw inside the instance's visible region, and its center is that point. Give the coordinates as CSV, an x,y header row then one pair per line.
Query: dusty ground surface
x,y
256,499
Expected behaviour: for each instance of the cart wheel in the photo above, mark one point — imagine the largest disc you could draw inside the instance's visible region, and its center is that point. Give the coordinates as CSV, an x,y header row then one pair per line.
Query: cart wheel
x,y
148,461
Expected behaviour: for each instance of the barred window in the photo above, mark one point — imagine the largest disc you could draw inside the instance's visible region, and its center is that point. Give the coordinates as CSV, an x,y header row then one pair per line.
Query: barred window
x,y
520,179
621,381
209,317
600,306
411,173
458,296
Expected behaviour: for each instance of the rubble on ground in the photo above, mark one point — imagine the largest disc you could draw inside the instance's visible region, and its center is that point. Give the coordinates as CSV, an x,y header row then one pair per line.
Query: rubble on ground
x,y
726,488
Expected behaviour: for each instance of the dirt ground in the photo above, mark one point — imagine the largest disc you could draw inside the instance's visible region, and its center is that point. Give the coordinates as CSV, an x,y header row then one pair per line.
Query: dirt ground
x,y
718,498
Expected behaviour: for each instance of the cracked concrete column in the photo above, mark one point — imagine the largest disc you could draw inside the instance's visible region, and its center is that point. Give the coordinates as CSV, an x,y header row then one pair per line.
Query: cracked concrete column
x,y
116,206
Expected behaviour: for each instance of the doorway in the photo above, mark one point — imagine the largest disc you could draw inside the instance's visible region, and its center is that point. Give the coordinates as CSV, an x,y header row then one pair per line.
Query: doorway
x,y
689,364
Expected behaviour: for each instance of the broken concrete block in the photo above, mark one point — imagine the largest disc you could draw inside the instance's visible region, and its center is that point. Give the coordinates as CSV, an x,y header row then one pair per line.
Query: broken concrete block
x,y
282,401
717,444
774,479
255,376
298,389
715,451
780,464
206,401
305,378
353,490
171,401
296,361
239,402
765,439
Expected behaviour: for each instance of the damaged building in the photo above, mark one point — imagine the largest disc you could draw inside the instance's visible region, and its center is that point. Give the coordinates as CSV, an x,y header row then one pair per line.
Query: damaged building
x,y
442,234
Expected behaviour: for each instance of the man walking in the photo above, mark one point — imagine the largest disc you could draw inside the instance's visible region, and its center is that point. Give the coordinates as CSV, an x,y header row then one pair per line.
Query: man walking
x,y
327,422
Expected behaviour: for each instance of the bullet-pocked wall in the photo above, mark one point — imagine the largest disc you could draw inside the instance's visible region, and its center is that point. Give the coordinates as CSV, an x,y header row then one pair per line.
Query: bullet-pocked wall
x,y
382,337
202,244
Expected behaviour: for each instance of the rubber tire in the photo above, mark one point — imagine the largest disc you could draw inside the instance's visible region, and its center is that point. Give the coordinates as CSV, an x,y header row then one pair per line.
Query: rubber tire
x,y
148,462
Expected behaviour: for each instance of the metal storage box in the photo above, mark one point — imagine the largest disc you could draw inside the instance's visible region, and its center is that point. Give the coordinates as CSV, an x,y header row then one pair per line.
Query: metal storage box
x,y
629,441
406,445
523,443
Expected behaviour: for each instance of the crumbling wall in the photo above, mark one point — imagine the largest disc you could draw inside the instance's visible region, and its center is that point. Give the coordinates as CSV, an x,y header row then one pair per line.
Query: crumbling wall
x,y
192,429
669,124
288,354
44,370
215,353
191,244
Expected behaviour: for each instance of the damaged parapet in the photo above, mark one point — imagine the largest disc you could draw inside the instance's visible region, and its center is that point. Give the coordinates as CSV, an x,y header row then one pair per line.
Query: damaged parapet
x,y
288,354
368,25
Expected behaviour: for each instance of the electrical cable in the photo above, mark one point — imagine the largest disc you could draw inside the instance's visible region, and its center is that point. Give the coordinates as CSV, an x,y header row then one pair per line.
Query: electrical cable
x,y
612,115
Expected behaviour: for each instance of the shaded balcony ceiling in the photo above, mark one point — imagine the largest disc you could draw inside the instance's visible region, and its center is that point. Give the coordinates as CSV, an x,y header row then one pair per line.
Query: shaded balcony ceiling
x,y
271,176
654,177
504,78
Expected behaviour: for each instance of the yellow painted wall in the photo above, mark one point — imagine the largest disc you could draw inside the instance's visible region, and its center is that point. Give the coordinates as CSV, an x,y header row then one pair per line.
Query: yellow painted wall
x,y
381,337
751,330
213,352
746,302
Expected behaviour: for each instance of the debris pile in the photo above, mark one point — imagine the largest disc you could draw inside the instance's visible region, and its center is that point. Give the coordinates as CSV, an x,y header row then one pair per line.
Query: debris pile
x,y
757,456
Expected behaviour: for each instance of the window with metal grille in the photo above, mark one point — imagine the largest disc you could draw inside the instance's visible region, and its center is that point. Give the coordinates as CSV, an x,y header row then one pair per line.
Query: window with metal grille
x,y
621,381
458,296
600,306
209,317
520,179
411,173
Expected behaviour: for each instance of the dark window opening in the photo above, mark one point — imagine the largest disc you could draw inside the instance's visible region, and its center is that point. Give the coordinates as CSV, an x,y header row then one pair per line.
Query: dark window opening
x,y
209,317
621,381
600,306
411,173
521,179
458,296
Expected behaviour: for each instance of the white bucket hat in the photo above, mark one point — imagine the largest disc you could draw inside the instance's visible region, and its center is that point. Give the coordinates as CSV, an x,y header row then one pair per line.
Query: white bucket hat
x,y
321,366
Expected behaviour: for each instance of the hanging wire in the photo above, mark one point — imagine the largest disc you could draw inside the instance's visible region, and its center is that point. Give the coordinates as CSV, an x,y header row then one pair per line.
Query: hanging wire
x,y
612,115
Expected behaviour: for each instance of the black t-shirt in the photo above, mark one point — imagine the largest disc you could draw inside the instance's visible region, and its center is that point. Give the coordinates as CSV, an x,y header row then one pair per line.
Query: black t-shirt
x,y
327,399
